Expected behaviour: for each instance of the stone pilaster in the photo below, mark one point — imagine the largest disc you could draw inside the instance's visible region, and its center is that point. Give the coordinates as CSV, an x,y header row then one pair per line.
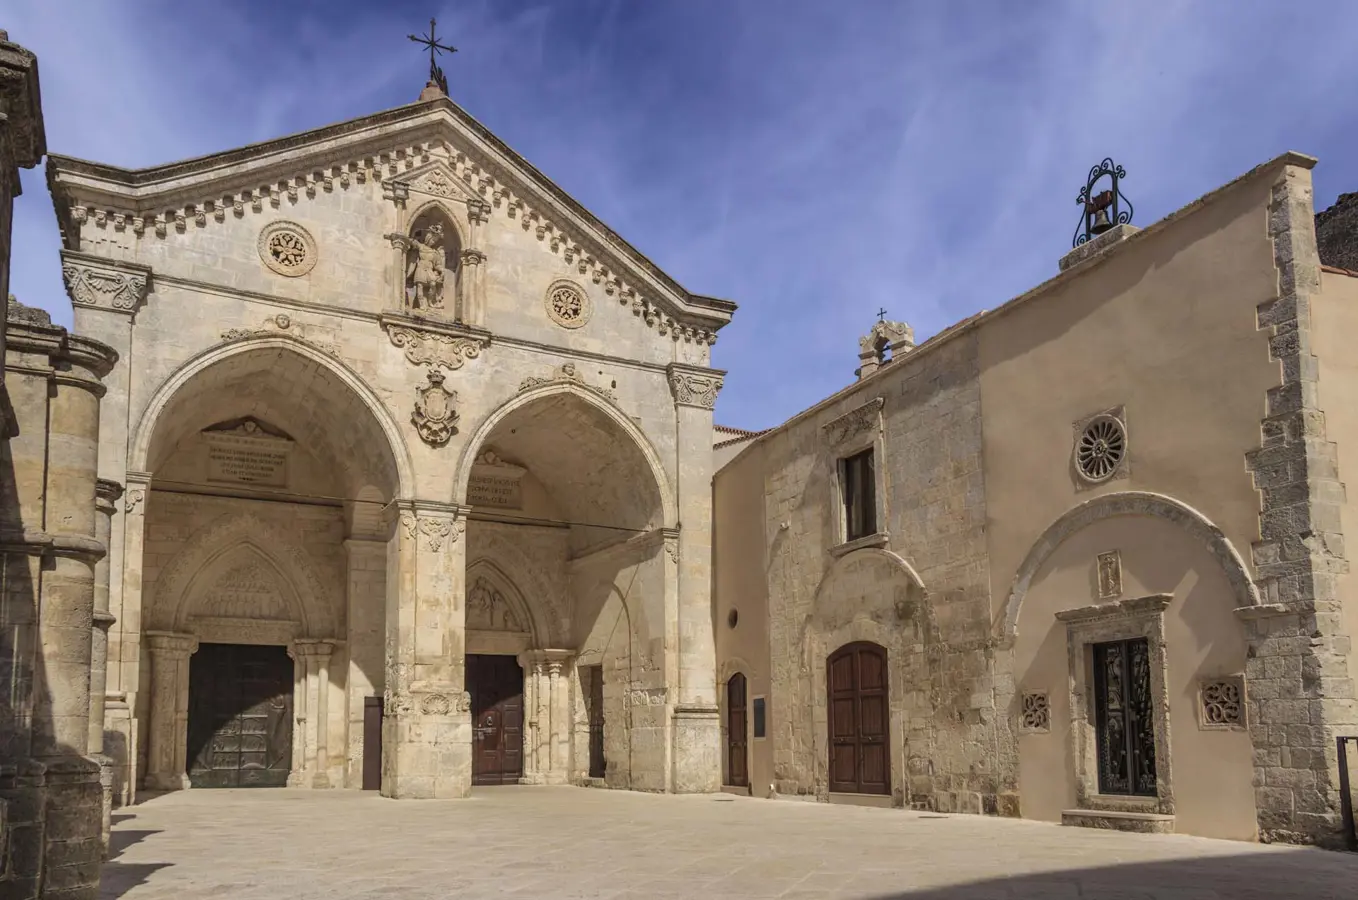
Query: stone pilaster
x,y
426,744
1300,695
695,727
125,636
366,562
106,494
311,747
531,662
167,763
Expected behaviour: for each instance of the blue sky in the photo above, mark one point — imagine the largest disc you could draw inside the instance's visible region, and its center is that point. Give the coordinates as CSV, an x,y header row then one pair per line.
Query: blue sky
x,y
812,160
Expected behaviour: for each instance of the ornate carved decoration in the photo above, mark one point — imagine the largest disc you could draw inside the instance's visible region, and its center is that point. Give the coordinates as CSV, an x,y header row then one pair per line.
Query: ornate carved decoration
x,y
436,705
446,346
1100,452
488,610
1222,702
695,387
566,373
434,416
898,336
246,591
1035,715
568,305
437,530
287,248
134,500
282,323
464,703
1110,575
426,274
854,422
104,284
409,523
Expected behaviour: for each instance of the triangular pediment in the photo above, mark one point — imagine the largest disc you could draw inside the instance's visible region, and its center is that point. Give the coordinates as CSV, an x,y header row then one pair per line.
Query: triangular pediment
x,y
432,147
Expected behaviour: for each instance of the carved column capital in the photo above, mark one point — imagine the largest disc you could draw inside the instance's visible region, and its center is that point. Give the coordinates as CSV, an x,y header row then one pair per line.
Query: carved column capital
x,y
472,257
695,386
106,495
169,644
317,647
96,282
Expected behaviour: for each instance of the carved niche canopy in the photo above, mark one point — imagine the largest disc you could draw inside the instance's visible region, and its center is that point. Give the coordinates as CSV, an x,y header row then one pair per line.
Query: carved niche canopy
x,y
248,452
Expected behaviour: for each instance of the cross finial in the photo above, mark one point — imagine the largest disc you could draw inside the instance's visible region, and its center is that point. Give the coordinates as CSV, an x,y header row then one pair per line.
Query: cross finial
x,y
431,41
881,315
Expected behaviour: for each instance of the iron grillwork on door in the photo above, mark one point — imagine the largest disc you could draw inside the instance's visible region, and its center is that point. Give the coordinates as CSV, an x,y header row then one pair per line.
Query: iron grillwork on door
x,y
1124,718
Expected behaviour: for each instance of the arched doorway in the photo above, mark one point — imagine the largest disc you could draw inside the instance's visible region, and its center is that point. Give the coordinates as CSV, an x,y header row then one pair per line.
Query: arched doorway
x,y
262,540
569,501
856,683
737,742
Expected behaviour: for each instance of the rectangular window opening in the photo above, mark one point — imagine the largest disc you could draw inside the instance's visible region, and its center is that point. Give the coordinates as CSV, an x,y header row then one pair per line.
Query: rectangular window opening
x,y
860,496
759,717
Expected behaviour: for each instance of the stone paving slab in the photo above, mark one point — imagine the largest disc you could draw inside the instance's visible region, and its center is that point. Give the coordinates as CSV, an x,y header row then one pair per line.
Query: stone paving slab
x,y
577,843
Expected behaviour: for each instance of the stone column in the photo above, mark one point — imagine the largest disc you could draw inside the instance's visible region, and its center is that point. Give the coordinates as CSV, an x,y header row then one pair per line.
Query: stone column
x,y
125,638
167,766
696,748
532,673
427,730
301,662
106,495
558,718
367,564
316,719
473,260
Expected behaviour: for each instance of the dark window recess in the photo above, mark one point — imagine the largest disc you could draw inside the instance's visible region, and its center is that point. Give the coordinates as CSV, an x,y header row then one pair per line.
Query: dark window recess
x,y
1124,718
860,496
759,717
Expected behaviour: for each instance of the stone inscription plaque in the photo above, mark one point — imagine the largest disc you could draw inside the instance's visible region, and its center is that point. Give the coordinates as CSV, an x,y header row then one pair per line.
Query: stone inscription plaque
x,y
250,461
499,491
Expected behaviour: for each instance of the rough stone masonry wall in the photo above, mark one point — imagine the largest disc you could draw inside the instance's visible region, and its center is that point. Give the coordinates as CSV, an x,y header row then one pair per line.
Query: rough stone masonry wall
x,y
1300,692
953,755
1337,233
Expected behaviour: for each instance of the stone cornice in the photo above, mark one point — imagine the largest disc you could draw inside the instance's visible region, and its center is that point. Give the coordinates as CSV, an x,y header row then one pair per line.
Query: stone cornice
x,y
695,385
196,191
21,106
100,283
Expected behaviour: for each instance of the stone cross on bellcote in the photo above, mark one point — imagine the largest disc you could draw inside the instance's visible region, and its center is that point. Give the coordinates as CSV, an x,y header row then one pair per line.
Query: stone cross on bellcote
x,y
436,78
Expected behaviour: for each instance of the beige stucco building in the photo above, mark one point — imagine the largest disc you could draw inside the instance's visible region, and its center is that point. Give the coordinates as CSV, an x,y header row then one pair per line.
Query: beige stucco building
x,y
1077,558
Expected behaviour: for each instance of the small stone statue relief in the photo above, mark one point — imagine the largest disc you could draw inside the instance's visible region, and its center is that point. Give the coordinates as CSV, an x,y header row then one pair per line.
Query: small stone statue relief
x,y
431,266
1110,575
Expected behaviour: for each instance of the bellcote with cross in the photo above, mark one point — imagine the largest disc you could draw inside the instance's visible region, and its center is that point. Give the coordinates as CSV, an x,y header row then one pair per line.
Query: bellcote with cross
x,y
883,344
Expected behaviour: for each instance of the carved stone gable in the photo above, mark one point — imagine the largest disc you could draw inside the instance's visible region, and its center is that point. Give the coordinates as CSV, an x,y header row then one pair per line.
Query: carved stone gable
x,y
488,610
438,180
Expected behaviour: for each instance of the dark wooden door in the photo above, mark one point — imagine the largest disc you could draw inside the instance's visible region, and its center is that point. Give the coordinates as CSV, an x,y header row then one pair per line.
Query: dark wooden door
x,y
737,760
1124,718
598,766
240,716
496,686
856,681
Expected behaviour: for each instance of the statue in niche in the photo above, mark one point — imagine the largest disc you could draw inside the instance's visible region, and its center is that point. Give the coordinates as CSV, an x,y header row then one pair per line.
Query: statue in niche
x,y
431,265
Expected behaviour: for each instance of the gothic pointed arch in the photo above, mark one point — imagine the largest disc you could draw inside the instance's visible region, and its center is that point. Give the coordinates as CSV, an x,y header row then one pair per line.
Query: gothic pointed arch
x,y
1127,503
493,599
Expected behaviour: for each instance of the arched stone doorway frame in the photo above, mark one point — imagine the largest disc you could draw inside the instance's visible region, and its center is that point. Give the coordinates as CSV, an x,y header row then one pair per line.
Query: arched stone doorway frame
x,y
730,667
822,636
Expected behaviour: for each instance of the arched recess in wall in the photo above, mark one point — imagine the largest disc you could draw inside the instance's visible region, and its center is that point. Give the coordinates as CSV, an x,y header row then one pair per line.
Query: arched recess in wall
x,y
176,588
433,220
1128,503
529,614
371,451
605,412
821,611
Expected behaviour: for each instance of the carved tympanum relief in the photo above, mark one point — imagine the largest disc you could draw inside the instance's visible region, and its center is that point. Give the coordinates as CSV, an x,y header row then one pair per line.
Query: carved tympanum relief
x,y
287,248
248,590
488,610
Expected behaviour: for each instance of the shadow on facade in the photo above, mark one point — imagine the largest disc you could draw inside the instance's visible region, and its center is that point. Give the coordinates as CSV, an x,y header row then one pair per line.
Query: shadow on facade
x,y
1289,873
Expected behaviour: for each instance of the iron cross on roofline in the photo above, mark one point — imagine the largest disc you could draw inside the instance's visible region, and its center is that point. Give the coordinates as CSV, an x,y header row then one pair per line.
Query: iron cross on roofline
x,y
881,314
431,41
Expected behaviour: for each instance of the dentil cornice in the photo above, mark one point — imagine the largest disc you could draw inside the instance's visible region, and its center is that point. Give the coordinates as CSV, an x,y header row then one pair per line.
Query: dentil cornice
x,y
197,193
694,385
94,281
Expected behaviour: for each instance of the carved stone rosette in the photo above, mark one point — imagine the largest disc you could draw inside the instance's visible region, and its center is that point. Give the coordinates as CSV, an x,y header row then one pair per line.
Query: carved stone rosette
x,y
435,417
104,283
695,387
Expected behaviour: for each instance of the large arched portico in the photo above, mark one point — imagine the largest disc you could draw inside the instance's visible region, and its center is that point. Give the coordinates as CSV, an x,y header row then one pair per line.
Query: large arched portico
x,y
256,522
569,500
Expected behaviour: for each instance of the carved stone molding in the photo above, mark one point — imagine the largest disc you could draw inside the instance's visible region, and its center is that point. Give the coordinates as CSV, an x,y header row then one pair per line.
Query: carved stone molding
x,y
134,500
566,373
104,283
284,324
434,416
854,422
437,529
694,386
426,343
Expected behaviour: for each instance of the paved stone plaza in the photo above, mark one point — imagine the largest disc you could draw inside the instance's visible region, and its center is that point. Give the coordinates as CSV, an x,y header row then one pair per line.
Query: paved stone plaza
x,y
579,843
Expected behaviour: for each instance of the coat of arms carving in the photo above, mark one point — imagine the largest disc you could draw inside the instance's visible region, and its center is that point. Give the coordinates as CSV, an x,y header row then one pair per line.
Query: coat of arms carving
x,y
434,416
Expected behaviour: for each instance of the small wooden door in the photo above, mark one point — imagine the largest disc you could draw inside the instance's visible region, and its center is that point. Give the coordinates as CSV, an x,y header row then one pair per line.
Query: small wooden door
x,y
737,760
594,675
496,686
856,680
240,716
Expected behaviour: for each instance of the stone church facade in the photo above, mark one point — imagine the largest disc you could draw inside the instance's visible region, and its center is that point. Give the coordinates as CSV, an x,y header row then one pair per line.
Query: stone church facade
x,y
1078,558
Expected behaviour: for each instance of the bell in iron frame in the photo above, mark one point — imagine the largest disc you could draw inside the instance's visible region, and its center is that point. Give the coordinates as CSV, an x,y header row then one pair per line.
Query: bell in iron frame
x,y
1100,223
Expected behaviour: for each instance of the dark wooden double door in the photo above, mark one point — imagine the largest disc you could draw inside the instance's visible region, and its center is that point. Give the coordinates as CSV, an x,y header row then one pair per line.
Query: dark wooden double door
x,y
856,681
240,716
496,686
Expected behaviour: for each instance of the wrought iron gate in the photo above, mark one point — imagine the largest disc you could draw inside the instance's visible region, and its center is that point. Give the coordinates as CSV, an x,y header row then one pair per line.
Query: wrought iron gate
x,y
1124,718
